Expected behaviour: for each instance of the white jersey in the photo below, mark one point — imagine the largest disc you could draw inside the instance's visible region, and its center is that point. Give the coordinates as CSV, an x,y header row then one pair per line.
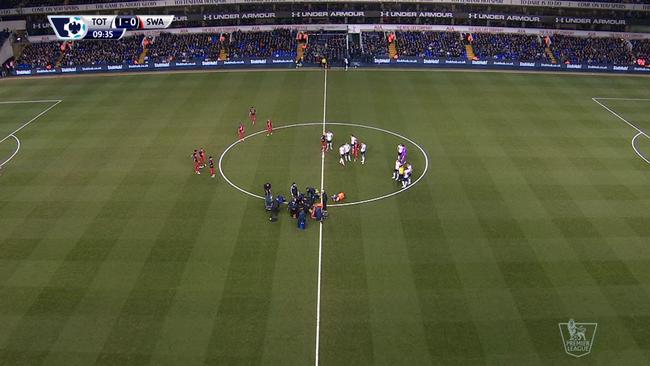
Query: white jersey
x,y
400,148
347,148
353,140
408,171
329,136
397,164
342,150
363,147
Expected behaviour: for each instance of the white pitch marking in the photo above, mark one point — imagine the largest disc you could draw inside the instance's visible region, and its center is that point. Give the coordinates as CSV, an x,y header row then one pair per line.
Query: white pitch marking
x,y
639,99
31,120
640,131
619,117
424,172
320,229
30,101
15,151
637,150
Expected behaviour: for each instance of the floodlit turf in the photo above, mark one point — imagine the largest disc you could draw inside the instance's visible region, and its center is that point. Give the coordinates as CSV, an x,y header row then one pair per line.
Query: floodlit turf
x,y
535,210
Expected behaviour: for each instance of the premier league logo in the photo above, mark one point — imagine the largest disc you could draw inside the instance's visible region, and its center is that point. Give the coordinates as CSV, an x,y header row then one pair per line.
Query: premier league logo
x,y
577,337
68,28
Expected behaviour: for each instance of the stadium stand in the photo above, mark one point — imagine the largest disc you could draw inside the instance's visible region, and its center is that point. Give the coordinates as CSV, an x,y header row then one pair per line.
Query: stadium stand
x,y
374,44
40,55
430,44
641,50
517,47
102,52
331,46
185,47
277,43
281,43
592,50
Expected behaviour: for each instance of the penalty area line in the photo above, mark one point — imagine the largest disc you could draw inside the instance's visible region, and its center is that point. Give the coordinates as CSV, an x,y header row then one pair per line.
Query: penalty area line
x,y
640,131
13,134
14,153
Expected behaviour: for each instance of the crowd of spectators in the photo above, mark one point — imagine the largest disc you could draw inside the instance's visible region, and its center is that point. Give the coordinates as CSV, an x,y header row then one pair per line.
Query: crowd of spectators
x,y
331,46
185,47
591,50
515,47
43,55
641,50
335,47
276,43
127,50
430,44
374,44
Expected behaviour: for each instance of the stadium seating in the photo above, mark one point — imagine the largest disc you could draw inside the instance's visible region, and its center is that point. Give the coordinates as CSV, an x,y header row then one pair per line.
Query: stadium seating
x,y
277,43
430,44
516,47
102,52
335,46
40,55
331,46
592,50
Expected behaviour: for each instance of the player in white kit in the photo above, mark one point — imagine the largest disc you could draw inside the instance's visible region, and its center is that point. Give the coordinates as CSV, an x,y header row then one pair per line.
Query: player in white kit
x,y
342,154
362,149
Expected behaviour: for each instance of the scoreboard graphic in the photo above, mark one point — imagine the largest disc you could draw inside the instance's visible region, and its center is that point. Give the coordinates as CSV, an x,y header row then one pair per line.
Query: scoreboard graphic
x,y
78,27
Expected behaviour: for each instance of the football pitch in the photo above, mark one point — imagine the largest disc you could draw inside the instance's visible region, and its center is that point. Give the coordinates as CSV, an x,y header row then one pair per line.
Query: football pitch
x,y
534,210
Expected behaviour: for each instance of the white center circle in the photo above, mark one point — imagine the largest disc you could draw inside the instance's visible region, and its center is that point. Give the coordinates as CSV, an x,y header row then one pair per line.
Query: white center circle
x,y
424,172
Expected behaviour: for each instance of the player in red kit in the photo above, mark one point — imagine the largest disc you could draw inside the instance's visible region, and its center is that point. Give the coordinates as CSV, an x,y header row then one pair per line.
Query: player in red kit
x,y
197,164
355,150
269,127
241,131
252,114
202,157
323,143
211,163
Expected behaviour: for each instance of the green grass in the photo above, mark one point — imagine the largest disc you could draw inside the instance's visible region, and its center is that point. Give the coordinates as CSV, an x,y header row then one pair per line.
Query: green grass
x,y
535,210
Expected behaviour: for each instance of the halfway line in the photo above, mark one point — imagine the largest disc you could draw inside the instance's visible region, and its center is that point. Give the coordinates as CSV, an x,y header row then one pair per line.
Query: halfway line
x,y
320,230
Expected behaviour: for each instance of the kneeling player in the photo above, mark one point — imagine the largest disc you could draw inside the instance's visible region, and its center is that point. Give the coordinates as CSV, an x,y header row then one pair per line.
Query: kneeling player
x,y
338,197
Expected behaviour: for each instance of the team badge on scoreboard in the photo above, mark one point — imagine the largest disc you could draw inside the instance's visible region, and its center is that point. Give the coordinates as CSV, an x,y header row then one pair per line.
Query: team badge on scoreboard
x,y
77,27
68,28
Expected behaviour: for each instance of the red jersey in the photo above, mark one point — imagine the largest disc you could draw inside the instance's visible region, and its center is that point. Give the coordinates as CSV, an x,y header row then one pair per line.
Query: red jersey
x,y
195,157
252,112
269,125
202,155
211,162
241,129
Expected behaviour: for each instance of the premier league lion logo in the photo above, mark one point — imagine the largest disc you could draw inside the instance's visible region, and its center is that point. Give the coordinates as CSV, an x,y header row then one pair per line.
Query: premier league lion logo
x,y
577,337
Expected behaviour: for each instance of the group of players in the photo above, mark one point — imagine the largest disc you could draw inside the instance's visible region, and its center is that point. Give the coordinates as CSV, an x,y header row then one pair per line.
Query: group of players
x,y
199,158
403,170
347,151
252,115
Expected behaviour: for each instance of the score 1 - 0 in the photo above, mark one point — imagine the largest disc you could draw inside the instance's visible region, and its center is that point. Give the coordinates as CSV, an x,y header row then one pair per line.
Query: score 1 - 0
x,y
127,22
